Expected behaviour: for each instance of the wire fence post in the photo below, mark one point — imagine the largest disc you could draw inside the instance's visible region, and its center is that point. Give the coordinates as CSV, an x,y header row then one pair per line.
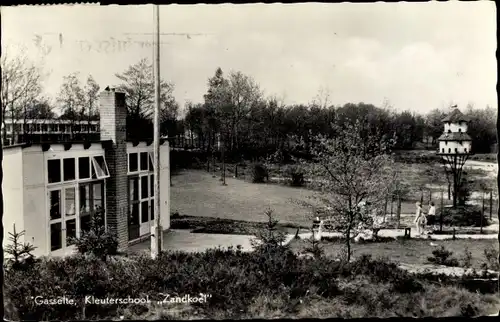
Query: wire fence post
x,y
398,211
392,201
482,214
442,211
491,204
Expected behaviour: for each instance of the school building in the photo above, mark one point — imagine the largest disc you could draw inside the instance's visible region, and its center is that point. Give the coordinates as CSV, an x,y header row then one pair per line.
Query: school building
x,y
52,190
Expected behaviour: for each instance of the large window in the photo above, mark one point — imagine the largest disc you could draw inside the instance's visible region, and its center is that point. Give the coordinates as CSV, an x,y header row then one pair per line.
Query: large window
x,y
54,170
144,161
91,203
84,168
76,195
69,169
94,167
100,168
132,162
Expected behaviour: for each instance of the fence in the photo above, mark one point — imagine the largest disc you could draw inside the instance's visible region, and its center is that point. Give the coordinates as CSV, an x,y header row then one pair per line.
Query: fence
x,y
400,211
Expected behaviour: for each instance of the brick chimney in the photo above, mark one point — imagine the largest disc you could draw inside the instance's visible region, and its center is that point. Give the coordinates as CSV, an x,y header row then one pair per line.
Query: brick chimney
x,y
113,116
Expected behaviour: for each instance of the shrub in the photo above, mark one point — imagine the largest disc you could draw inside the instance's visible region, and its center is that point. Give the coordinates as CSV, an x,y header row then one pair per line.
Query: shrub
x,y
270,237
295,175
469,215
259,173
491,256
19,254
97,240
467,259
314,247
442,256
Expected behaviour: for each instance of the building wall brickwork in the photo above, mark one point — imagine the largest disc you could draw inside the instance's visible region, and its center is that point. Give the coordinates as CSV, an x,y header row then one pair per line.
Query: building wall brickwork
x,y
113,115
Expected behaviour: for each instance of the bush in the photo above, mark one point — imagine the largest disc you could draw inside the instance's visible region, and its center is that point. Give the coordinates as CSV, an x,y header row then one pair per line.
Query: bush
x,y
270,237
295,175
469,215
259,173
442,256
19,255
97,240
235,279
467,259
491,256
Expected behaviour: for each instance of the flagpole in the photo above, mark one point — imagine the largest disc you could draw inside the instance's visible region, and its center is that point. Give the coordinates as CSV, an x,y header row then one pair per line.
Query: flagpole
x,y
156,70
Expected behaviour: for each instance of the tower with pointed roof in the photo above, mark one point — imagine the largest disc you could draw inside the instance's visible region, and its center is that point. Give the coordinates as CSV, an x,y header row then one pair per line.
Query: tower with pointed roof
x,y
455,146
455,139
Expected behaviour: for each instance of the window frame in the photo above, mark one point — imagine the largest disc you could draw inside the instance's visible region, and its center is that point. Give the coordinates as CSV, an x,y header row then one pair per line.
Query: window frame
x,y
93,176
95,164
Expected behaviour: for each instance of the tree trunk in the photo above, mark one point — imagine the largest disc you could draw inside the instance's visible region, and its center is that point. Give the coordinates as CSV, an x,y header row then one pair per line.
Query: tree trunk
x,y
455,194
398,211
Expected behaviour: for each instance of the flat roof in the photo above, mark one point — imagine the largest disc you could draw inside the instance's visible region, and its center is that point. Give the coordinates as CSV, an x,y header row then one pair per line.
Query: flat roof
x,y
88,142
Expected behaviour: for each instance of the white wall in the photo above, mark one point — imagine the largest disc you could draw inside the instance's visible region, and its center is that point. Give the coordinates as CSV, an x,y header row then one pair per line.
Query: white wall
x,y
465,147
35,199
165,185
12,186
455,127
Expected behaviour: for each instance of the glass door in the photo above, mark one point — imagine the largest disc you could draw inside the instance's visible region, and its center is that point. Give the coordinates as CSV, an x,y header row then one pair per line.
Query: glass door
x,y
70,222
62,221
55,220
134,210
145,227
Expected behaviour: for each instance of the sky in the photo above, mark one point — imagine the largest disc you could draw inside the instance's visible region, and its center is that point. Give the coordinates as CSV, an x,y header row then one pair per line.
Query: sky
x,y
416,56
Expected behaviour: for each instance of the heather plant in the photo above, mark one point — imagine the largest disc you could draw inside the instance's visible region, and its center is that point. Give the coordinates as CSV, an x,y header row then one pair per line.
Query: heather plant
x,y
492,260
233,278
295,175
259,173
467,258
442,256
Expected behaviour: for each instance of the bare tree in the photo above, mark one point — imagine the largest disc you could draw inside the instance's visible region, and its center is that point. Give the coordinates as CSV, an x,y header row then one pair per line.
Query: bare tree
x,y
138,84
72,98
21,83
91,97
347,171
322,98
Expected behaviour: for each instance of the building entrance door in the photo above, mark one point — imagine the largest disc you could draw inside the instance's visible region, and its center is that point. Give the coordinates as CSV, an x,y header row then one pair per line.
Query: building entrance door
x,y
145,226
134,209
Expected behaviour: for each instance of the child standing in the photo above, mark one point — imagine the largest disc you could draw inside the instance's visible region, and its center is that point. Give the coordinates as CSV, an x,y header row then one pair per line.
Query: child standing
x,y
420,220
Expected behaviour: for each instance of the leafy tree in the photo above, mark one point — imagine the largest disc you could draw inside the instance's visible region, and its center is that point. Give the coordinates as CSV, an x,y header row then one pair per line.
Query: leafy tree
x,y
433,124
349,170
36,109
482,128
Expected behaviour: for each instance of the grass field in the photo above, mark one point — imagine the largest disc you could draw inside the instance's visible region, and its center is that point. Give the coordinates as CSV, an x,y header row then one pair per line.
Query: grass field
x,y
197,193
408,251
